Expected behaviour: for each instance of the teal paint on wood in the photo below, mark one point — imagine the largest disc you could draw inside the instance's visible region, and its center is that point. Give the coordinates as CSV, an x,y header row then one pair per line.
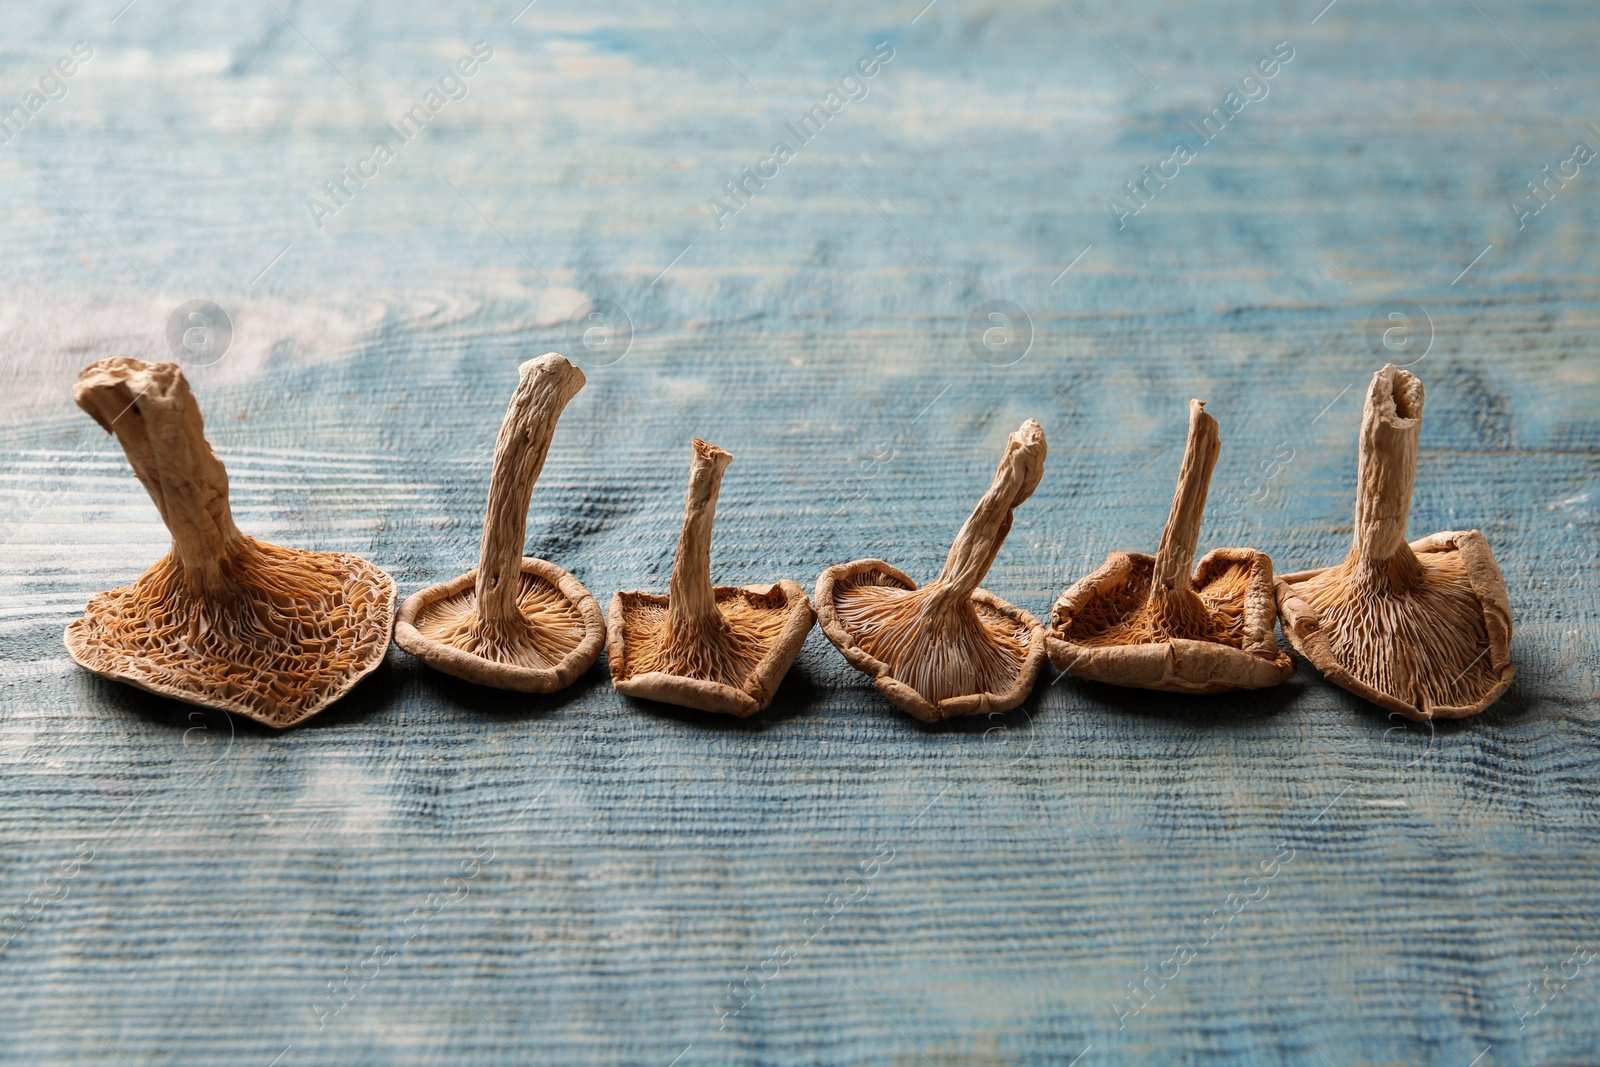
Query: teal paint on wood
x,y
1025,870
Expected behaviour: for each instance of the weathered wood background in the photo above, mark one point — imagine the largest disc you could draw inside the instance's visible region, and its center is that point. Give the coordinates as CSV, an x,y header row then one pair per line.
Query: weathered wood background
x,y
184,889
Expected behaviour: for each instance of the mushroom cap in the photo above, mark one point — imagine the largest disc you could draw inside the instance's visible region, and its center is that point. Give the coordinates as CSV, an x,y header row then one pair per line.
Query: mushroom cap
x,y
440,625
767,625
1101,628
302,629
1433,643
1007,643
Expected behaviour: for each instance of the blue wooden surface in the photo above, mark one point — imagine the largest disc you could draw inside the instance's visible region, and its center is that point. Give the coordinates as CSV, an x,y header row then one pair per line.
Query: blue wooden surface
x,y
188,887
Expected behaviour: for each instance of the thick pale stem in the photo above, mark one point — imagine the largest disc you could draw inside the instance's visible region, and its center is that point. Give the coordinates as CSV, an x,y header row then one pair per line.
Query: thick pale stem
x,y
691,604
1175,556
985,530
544,387
156,420
1387,467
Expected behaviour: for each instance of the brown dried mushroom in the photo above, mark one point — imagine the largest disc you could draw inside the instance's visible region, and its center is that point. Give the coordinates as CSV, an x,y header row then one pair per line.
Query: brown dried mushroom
x,y
723,648
513,622
223,620
1423,629
948,648
1142,621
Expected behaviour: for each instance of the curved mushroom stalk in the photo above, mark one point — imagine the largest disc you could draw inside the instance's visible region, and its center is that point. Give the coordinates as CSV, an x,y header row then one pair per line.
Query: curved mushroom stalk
x,y
1423,629
223,620
1143,621
948,648
712,648
514,622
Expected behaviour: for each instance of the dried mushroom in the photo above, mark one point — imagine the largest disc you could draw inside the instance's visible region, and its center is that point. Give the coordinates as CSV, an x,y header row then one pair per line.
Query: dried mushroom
x,y
1423,629
948,648
514,622
223,620
722,648
1142,621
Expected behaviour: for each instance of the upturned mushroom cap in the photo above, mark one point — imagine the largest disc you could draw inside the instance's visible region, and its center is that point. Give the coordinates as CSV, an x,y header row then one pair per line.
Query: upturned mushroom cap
x,y
1142,621
948,648
223,620
512,622
721,649
1424,629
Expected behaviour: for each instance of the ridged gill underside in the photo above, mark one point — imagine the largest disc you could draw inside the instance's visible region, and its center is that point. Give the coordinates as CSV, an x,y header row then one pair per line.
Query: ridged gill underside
x,y
545,628
941,645
1129,615
291,626
1410,625
723,648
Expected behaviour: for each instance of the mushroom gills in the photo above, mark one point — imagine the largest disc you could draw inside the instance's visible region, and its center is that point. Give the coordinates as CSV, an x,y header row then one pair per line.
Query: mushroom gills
x,y
1214,610
941,645
722,648
1410,625
260,648
546,628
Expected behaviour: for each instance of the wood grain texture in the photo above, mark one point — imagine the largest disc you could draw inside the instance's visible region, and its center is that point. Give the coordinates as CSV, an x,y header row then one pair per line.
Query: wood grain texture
x,y
644,858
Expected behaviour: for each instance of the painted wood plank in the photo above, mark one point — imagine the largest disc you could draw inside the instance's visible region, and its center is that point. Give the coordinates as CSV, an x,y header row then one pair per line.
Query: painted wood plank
x,y
1025,870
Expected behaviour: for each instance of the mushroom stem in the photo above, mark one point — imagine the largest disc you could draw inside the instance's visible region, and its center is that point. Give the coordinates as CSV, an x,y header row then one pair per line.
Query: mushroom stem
x,y
545,386
691,603
986,528
1175,556
154,416
1387,468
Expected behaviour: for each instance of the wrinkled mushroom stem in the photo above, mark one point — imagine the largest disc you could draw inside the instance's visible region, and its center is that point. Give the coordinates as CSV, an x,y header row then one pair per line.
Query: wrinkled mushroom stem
x,y
1175,556
979,541
149,407
692,605
1387,467
545,386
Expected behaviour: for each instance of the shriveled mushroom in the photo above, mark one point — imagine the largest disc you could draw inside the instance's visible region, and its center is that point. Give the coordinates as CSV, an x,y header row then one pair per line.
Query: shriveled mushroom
x,y
514,622
1423,629
948,648
223,620
1142,621
723,648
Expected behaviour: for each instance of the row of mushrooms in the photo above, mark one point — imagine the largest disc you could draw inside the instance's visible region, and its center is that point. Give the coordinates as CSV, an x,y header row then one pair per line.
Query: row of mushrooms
x,y
277,634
